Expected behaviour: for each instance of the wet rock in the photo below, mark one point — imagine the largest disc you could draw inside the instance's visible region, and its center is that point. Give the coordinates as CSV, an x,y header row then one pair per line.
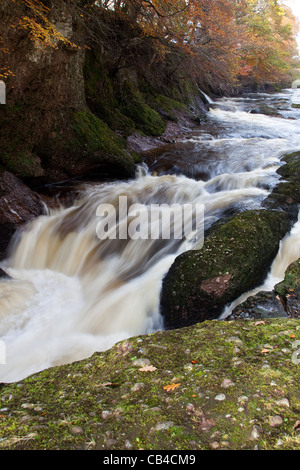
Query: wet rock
x,y
259,306
18,206
289,290
235,258
286,195
4,275
264,109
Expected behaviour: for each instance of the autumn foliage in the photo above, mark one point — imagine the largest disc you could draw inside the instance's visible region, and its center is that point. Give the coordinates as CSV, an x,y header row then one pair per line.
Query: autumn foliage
x,y
218,40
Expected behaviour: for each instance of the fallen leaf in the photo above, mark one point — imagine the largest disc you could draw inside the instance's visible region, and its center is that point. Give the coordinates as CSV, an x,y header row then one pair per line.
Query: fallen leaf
x,y
147,369
170,387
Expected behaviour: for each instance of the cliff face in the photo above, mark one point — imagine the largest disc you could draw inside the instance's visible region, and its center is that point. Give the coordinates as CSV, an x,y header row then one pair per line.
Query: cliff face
x,y
71,106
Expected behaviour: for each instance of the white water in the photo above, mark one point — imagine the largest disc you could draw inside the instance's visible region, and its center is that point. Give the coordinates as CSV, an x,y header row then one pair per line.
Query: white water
x,y
74,294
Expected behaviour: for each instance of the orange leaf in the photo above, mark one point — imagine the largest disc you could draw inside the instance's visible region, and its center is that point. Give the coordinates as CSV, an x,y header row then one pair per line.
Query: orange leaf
x,y
170,387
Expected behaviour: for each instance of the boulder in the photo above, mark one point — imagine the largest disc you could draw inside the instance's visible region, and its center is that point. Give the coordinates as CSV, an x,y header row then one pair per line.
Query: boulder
x,y
18,205
286,195
260,306
235,258
289,290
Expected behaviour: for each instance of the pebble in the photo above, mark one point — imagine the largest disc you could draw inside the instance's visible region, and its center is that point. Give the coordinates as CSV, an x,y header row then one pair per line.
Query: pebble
x,y
227,383
283,402
214,445
105,414
220,397
275,421
236,340
255,433
76,430
141,362
138,386
162,426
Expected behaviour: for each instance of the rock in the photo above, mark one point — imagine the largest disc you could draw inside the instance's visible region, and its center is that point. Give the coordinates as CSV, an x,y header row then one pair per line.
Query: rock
x,y
275,421
235,258
76,430
227,383
283,402
261,305
18,206
255,433
289,290
4,275
220,397
264,109
286,195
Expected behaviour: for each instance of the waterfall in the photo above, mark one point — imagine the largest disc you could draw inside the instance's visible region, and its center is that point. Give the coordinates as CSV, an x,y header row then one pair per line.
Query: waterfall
x,y
74,291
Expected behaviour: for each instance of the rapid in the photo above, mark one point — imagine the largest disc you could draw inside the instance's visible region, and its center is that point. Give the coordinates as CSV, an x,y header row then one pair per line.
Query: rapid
x,y
73,293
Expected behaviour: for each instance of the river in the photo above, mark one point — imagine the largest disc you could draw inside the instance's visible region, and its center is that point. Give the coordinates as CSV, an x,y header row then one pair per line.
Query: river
x,y
74,293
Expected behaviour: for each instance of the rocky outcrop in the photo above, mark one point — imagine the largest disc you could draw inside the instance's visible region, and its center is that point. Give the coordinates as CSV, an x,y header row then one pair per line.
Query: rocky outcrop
x,y
235,258
47,131
283,301
18,206
286,195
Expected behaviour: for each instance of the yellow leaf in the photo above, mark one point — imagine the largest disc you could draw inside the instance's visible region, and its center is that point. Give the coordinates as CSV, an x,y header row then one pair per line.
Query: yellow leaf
x,y
170,387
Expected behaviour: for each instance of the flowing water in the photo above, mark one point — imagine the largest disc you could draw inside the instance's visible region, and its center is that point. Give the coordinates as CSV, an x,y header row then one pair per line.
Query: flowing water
x,y
74,293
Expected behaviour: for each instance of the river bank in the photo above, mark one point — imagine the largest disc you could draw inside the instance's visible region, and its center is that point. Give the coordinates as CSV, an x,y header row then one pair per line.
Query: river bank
x,y
213,386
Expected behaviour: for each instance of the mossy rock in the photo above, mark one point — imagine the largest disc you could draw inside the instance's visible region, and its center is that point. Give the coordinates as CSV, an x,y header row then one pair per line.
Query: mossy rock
x,y
215,385
260,306
235,258
95,141
289,290
286,195
134,106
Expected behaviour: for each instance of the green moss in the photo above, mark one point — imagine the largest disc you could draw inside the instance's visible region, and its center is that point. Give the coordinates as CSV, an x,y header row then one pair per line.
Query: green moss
x,y
145,118
95,139
101,93
291,280
41,411
235,258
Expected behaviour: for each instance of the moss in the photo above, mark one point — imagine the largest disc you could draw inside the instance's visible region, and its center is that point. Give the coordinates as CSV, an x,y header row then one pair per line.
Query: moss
x,y
100,91
286,195
145,118
166,106
291,280
95,139
40,412
235,258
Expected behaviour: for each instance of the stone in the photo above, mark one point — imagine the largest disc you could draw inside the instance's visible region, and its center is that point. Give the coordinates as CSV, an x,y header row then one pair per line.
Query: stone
x,y
18,206
236,257
275,421
220,397
76,430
